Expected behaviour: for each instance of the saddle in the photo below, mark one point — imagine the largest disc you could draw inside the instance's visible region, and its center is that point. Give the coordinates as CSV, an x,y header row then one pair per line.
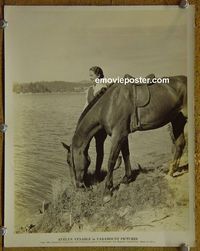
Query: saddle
x,y
141,97
141,94
150,77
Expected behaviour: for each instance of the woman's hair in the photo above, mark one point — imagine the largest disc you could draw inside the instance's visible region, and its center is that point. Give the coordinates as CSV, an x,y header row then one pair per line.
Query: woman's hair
x,y
98,71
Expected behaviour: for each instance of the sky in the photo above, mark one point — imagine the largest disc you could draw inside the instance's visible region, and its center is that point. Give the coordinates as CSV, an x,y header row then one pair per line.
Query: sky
x,y
62,43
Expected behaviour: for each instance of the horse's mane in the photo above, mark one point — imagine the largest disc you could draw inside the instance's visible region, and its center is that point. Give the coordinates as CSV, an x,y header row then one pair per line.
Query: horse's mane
x,y
94,101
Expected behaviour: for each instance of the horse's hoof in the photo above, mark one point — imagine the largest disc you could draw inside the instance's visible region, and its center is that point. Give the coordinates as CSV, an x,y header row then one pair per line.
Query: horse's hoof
x,y
126,180
106,198
96,180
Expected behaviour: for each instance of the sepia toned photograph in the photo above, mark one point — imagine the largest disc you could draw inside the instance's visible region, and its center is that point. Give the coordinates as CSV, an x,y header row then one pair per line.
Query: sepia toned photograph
x,y
99,149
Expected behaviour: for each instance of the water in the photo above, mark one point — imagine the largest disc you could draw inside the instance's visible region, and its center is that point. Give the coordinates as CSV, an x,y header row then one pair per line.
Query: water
x,y
42,121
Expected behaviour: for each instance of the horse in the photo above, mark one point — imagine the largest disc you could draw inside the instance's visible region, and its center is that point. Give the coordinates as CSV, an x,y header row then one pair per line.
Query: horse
x,y
114,111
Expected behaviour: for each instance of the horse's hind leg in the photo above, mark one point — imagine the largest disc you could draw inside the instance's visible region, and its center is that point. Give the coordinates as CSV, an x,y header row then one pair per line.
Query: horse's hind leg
x,y
179,146
178,138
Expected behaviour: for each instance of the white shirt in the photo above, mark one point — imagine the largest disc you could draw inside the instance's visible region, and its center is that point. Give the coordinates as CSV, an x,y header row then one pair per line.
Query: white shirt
x,y
96,88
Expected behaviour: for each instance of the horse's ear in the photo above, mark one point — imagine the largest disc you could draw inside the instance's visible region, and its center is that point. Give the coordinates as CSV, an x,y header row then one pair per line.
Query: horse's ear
x,y
66,146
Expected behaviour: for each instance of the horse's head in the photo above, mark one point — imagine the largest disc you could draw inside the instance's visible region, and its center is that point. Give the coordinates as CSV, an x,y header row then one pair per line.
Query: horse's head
x,y
78,163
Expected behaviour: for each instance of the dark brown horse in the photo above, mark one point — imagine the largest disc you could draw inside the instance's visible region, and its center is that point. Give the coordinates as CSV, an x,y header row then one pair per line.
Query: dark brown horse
x,y
113,113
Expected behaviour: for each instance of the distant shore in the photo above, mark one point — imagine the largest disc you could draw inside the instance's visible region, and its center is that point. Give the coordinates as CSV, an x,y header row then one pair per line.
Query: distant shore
x,y
50,87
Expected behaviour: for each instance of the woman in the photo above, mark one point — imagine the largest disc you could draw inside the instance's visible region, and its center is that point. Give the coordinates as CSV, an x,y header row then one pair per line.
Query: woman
x,y
95,72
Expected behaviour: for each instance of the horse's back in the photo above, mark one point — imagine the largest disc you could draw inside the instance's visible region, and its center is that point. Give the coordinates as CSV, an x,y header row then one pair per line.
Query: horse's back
x,y
165,101
156,103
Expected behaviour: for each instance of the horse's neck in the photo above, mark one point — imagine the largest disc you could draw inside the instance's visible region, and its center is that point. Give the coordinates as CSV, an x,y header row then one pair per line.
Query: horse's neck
x,y
89,125
87,128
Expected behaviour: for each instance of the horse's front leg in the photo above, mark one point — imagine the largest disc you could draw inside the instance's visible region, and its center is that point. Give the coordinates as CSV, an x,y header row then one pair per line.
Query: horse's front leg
x,y
99,141
117,141
126,156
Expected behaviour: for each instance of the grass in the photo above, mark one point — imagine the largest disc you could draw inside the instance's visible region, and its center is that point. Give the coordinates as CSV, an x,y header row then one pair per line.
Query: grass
x,y
83,210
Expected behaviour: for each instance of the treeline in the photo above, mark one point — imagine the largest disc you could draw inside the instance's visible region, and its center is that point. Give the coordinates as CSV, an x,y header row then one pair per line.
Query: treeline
x,y
49,87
